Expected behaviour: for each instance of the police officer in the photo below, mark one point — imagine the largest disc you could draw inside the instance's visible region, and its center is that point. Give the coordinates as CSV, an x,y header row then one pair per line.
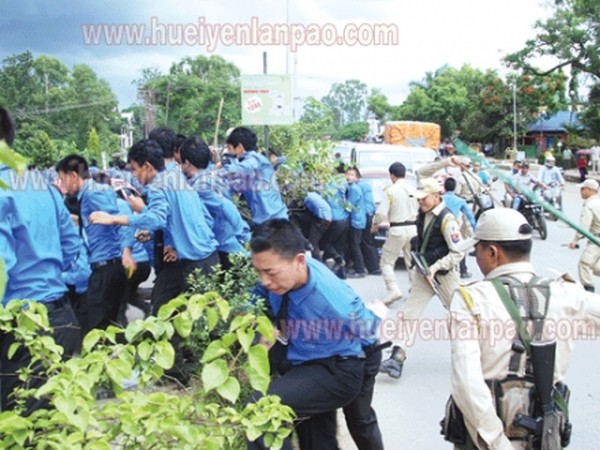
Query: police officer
x,y
438,234
400,208
503,245
252,175
328,370
589,263
37,242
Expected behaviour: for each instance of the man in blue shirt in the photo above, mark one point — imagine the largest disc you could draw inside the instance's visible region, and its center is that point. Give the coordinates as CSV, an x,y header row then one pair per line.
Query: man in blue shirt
x,y
358,223
334,239
313,220
252,175
231,231
367,243
38,241
329,338
175,208
107,260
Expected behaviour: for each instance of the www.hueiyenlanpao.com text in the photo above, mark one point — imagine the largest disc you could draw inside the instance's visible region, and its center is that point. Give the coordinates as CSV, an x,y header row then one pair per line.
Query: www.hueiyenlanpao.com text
x,y
254,32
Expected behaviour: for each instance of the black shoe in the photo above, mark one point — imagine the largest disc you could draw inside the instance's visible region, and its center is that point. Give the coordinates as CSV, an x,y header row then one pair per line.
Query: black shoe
x,y
375,272
589,288
355,274
395,363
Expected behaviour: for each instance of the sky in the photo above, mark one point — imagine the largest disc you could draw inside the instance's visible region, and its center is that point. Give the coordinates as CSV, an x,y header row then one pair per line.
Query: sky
x,y
420,36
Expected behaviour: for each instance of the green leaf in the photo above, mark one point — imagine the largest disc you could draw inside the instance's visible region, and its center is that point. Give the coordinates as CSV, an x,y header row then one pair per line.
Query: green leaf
x,y
11,158
245,337
214,350
97,445
164,354
224,308
118,370
145,349
133,330
91,339
212,318
214,374
183,324
230,390
258,370
264,327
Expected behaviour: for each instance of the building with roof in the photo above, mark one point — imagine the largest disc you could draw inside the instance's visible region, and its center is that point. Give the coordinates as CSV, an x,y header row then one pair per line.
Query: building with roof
x,y
550,129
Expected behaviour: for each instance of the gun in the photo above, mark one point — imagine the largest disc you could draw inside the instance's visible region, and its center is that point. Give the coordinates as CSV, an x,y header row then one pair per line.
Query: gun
x,y
546,427
424,271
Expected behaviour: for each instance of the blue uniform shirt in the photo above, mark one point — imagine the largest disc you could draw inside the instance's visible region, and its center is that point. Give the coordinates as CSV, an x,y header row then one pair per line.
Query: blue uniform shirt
x,y
78,274
253,177
231,231
174,207
335,196
318,206
38,239
358,216
457,206
368,197
325,317
127,235
102,241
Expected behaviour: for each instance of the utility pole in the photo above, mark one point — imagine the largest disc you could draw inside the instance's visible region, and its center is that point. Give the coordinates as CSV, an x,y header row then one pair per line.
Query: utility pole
x,y
148,98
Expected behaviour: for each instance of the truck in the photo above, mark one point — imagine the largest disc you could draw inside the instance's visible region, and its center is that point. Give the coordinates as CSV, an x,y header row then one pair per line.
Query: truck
x,y
413,134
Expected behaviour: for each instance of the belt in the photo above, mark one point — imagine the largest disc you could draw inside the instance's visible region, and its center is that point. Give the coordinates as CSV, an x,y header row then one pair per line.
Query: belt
x,y
403,224
56,304
108,262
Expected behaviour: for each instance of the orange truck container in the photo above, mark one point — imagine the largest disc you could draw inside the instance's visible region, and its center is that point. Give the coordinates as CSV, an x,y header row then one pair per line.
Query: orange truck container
x,y
412,134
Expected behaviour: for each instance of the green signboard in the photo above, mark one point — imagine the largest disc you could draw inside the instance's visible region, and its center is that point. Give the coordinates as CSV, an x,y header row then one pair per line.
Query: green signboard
x,y
267,100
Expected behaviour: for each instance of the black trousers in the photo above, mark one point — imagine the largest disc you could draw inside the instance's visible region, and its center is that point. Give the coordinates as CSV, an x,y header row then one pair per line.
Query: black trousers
x,y
315,390
66,333
105,292
368,247
334,239
313,230
356,255
172,278
360,415
130,297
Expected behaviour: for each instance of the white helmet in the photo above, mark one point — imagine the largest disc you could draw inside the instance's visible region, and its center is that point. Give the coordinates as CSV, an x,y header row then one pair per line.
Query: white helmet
x,y
550,161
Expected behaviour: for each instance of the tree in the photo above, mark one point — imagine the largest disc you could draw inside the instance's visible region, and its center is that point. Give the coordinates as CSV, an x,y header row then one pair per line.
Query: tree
x,y
348,100
93,149
41,150
187,98
378,104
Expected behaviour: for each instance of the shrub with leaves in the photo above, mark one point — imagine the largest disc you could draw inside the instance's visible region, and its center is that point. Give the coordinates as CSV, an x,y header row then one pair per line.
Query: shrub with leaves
x,y
211,416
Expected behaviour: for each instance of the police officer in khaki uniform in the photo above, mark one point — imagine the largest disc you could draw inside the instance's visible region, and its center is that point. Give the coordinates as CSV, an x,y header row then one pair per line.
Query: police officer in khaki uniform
x,y
589,263
436,242
483,345
400,208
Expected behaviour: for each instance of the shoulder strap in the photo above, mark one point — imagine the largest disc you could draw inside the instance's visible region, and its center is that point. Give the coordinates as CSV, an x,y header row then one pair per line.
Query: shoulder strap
x,y
513,311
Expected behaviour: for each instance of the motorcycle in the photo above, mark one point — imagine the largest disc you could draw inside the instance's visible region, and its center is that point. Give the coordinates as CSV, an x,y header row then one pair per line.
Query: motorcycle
x,y
553,195
534,213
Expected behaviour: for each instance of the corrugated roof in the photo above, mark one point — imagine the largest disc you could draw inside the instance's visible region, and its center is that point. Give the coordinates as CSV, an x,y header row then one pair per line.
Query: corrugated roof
x,y
555,123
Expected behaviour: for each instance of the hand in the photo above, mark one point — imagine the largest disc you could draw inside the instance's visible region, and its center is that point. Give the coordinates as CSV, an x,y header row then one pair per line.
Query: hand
x,y
101,218
573,245
128,262
136,203
170,254
143,236
374,229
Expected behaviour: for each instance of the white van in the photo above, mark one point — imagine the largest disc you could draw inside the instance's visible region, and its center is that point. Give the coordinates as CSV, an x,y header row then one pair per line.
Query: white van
x,y
381,156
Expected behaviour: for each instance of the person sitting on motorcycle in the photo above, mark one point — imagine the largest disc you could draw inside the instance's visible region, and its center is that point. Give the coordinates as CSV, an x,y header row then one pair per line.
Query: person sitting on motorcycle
x,y
552,177
522,180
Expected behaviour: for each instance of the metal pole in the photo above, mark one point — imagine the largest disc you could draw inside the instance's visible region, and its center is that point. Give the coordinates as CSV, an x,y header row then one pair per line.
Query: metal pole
x,y
514,92
266,129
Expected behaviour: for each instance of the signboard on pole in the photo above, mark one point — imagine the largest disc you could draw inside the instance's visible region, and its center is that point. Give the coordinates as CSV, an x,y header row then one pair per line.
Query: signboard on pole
x,y
267,100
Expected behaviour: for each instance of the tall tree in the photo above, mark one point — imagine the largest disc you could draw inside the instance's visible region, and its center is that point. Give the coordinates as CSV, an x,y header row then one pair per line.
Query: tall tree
x,y
348,101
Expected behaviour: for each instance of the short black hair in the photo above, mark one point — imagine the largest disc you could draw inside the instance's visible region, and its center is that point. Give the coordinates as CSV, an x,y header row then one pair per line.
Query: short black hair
x,y
244,136
449,184
147,150
196,152
514,249
74,163
166,138
280,236
356,171
397,169
7,127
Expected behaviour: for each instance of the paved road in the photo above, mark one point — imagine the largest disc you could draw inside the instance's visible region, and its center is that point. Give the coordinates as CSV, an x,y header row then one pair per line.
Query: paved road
x,y
410,409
